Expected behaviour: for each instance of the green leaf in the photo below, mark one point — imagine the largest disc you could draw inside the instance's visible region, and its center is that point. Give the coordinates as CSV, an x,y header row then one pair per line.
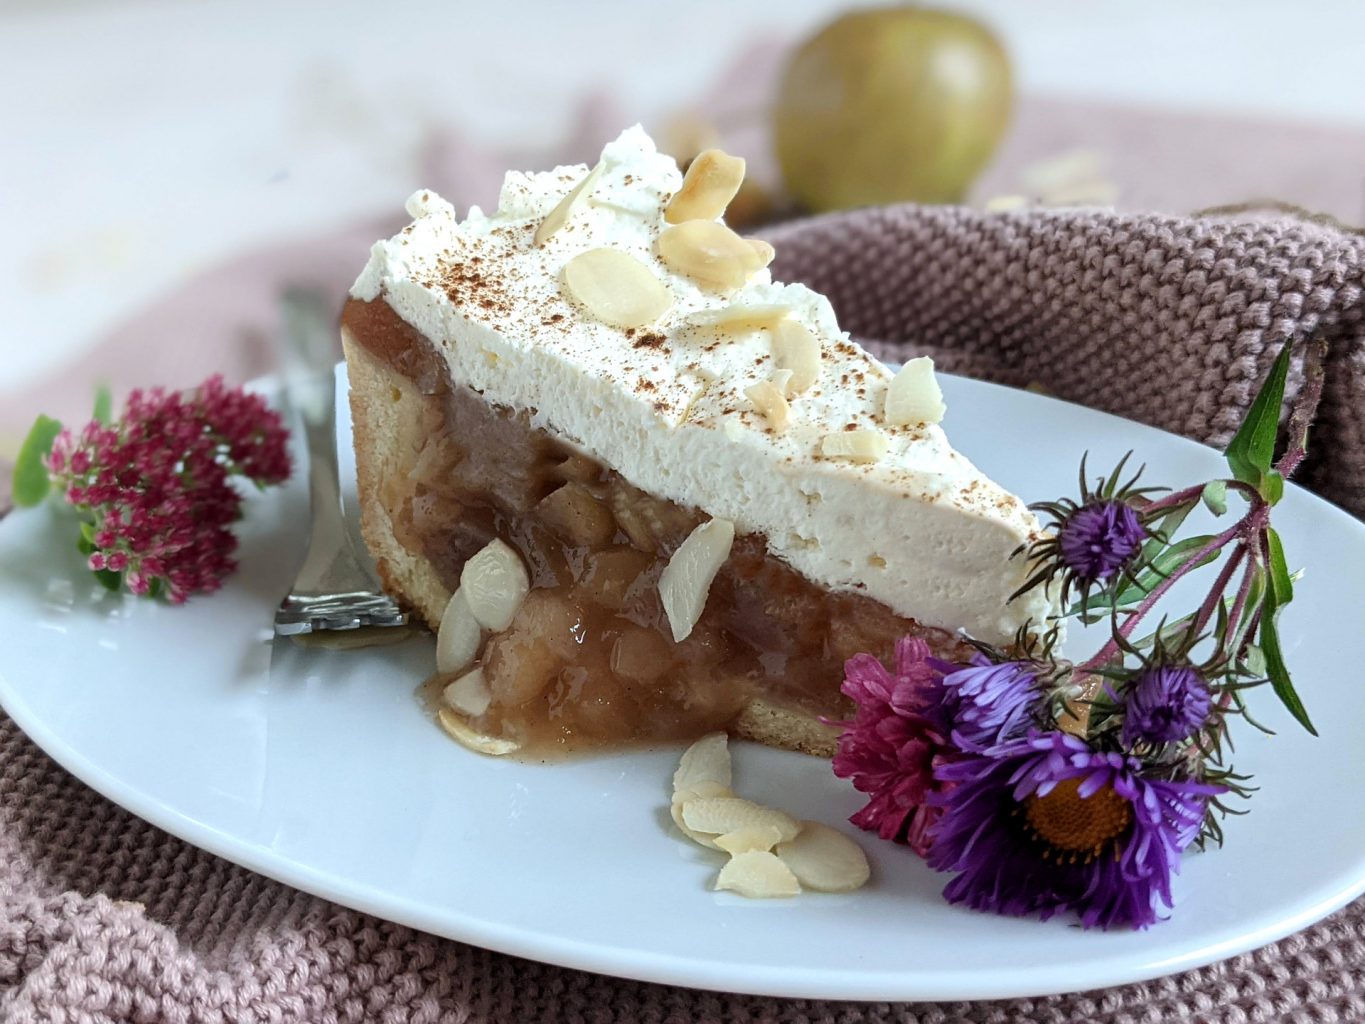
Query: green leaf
x,y
1159,567
1162,566
1216,496
31,482
1276,670
1254,660
1251,451
1281,582
1163,528
1272,487
104,404
1257,591
109,579
1167,634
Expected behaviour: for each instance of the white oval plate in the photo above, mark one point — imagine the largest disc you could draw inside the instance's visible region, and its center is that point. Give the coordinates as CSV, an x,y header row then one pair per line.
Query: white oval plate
x,y
322,770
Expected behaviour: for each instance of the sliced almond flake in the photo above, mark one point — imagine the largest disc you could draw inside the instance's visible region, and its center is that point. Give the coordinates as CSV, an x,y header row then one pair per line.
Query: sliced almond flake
x,y
758,875
762,250
458,637
712,180
701,789
495,583
750,837
700,838
469,694
768,399
565,208
782,380
796,349
467,736
686,580
709,253
716,815
913,396
825,859
617,288
705,762
736,318
861,446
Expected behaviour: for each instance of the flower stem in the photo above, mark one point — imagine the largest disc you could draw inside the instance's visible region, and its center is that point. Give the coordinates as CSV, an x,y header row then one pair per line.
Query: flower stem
x,y
1172,500
1305,406
1216,592
1239,603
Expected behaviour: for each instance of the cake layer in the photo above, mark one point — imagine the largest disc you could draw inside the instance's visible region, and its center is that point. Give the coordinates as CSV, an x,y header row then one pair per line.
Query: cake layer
x,y
589,660
919,529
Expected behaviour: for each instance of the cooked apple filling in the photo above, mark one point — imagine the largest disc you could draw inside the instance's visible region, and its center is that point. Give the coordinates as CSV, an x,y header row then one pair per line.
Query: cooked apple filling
x,y
589,657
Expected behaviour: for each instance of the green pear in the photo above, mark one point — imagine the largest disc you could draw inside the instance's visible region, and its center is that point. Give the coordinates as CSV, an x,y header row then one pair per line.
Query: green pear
x,y
889,105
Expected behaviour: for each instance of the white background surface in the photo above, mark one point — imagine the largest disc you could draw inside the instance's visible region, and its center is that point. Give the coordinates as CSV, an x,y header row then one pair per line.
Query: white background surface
x,y
144,140
323,770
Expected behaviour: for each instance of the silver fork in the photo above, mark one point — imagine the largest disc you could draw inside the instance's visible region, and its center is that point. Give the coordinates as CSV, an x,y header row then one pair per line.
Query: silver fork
x,y
333,590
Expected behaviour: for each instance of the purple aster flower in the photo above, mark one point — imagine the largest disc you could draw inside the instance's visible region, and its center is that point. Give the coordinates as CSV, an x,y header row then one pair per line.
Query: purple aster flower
x,y
1165,704
890,748
1099,539
1046,825
991,702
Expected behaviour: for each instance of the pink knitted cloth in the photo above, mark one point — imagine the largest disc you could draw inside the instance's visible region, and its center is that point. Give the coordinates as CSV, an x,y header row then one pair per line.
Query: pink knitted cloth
x,y
102,917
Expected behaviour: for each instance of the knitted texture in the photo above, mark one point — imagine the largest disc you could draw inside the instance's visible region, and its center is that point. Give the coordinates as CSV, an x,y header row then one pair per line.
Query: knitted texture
x,y
105,918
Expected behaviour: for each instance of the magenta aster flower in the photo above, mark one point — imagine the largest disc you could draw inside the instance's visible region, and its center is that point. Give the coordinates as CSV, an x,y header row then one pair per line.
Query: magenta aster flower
x,y
991,702
155,487
1165,704
1046,825
1100,538
890,748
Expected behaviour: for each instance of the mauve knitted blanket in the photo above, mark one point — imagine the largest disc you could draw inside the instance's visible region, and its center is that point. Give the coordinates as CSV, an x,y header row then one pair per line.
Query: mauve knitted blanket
x,y
1173,322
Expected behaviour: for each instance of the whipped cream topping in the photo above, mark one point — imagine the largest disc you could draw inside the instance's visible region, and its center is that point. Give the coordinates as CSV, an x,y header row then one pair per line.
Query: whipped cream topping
x,y
920,529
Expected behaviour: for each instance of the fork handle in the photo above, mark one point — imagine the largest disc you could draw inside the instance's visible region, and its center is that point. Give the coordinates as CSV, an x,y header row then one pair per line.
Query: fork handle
x,y
331,565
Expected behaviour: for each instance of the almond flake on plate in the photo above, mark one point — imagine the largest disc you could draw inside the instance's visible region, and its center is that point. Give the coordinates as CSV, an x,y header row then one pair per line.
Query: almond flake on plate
x,y
758,875
717,815
705,763
677,807
467,736
750,837
825,859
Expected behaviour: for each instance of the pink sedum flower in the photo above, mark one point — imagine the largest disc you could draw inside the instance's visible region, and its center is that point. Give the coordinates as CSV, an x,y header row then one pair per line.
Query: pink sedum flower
x,y
890,748
155,488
